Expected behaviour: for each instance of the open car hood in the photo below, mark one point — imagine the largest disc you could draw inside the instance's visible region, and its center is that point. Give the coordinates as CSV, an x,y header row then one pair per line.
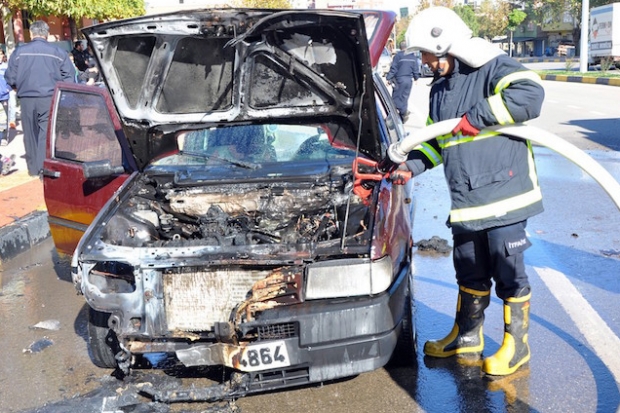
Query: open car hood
x,y
215,67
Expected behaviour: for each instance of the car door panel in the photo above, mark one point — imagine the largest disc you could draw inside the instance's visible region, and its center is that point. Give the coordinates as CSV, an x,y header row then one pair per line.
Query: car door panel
x,y
84,127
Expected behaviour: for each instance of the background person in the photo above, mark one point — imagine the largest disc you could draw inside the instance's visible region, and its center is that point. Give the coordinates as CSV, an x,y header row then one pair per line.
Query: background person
x,y
492,180
11,110
404,68
33,70
80,56
91,75
5,93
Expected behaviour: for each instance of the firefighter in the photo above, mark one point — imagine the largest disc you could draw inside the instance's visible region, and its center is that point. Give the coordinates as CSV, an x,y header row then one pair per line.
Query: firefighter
x,y
491,177
404,68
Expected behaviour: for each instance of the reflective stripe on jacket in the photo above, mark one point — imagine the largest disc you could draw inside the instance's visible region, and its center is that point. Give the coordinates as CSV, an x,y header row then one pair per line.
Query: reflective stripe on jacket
x,y
492,178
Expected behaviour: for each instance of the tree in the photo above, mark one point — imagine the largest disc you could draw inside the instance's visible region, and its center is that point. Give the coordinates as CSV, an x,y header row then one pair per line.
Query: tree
x,y
493,18
75,10
515,18
554,10
469,17
401,29
425,4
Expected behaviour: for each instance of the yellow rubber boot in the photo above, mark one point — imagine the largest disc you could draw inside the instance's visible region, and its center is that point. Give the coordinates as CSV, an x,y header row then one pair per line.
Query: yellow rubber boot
x,y
466,335
515,351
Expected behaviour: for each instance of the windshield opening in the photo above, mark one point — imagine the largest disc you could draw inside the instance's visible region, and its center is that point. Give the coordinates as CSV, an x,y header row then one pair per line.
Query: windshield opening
x,y
260,144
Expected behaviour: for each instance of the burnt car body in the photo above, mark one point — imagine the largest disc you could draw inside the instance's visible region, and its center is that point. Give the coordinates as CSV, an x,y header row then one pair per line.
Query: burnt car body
x,y
210,186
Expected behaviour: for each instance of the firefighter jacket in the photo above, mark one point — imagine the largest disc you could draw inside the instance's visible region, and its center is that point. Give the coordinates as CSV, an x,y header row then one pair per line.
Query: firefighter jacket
x,y
491,177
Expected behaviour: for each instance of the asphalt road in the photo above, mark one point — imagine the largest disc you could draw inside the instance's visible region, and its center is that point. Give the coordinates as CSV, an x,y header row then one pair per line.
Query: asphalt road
x,y
574,268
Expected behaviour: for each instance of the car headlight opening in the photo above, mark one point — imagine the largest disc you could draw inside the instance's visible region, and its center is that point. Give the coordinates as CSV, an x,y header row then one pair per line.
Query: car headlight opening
x,y
348,278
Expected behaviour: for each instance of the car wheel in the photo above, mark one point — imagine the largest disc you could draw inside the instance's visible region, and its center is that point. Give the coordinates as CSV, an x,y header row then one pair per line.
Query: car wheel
x,y
404,354
102,342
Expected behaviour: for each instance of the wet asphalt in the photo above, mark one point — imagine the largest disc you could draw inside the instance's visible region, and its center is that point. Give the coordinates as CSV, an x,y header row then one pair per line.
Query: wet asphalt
x,y
573,237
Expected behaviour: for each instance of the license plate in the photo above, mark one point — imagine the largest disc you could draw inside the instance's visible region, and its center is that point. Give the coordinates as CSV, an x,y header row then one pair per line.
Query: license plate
x,y
265,356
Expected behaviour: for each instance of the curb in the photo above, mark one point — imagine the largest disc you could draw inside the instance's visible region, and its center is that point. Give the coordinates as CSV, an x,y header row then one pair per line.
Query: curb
x,y
23,234
541,59
583,79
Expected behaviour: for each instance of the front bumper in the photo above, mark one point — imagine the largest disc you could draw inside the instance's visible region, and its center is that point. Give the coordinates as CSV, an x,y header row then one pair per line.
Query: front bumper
x,y
336,339
322,340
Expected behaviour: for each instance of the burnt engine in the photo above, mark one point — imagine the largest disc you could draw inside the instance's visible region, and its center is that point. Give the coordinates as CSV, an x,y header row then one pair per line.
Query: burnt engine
x,y
160,213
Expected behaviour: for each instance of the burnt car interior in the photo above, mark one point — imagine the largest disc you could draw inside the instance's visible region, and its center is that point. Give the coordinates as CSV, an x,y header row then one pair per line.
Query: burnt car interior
x,y
170,208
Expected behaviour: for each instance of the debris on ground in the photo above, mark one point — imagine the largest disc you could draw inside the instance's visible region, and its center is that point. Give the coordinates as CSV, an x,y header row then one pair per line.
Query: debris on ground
x,y
6,164
39,345
434,245
53,325
611,253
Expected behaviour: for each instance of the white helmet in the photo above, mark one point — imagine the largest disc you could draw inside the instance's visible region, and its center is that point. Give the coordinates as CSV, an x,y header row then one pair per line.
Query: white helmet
x,y
440,31
435,29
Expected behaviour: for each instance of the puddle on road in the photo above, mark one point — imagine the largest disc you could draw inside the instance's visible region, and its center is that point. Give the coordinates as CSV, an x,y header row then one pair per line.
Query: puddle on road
x,y
52,358
12,291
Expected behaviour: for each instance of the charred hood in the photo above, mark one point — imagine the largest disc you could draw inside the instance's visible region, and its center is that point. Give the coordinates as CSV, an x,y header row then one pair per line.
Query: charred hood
x,y
215,67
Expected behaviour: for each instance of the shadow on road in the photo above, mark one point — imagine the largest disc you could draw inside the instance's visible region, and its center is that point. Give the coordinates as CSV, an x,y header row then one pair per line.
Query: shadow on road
x,y
601,131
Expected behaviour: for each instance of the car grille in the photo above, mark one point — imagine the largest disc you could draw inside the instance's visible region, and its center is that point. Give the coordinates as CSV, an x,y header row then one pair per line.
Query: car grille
x,y
277,331
280,379
195,301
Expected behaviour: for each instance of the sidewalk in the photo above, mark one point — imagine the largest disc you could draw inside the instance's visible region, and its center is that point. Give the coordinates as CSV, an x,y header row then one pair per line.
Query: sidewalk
x,y
23,216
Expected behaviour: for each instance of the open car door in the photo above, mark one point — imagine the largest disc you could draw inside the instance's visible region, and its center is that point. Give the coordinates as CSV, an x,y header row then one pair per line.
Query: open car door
x,y
84,138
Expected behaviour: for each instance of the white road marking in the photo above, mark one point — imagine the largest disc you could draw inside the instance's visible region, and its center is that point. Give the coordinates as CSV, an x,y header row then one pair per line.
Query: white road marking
x,y
593,112
598,334
573,107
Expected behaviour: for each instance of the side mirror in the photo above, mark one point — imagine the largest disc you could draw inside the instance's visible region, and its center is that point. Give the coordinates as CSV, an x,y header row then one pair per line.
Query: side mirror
x,y
100,169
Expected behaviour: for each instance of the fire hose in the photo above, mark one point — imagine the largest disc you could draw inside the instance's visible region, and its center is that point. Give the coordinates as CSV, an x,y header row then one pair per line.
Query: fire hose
x,y
397,152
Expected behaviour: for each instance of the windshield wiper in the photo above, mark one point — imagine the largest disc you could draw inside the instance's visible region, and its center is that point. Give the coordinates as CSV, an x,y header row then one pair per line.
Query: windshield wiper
x,y
242,164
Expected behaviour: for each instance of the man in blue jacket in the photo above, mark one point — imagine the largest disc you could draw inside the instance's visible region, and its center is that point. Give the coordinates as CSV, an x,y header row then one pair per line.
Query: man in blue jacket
x,y
491,177
404,68
33,71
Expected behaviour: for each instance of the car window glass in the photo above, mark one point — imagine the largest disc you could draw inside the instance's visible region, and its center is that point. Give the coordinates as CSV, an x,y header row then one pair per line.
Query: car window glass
x,y
83,129
261,144
131,61
371,21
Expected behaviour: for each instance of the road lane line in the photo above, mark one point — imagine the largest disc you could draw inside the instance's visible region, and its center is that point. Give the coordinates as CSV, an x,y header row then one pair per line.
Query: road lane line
x,y
598,334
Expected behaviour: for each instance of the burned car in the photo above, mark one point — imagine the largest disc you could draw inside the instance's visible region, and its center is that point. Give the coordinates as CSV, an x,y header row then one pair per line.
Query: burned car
x,y
222,192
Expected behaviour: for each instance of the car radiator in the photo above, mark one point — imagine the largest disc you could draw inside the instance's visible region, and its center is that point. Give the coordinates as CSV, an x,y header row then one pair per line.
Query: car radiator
x,y
195,301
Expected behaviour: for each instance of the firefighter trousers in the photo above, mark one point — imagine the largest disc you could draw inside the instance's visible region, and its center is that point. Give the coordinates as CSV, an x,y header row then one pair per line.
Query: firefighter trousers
x,y
494,254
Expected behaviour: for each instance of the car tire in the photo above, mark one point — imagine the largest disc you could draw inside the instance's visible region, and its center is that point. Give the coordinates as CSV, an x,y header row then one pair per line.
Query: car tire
x,y
404,354
102,341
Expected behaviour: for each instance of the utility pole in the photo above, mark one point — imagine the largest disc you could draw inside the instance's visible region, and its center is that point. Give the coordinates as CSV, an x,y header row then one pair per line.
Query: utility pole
x,y
585,32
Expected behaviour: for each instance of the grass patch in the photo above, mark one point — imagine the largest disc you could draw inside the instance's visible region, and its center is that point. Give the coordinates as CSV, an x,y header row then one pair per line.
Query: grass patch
x,y
611,74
